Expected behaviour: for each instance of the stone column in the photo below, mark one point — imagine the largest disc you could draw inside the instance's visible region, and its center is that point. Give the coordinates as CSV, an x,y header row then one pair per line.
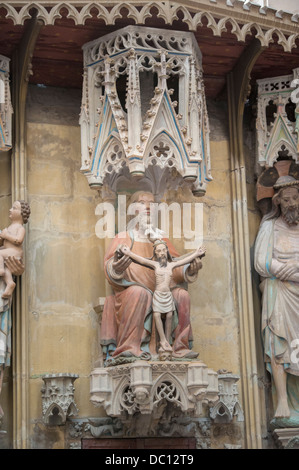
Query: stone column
x,y
237,83
21,63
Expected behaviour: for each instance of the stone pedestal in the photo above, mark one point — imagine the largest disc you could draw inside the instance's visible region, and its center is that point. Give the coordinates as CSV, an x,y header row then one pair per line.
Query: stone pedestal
x,y
287,438
141,387
228,405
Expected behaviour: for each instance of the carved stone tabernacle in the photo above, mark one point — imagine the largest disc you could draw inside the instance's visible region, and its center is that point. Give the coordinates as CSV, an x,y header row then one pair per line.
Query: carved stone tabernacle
x,y
143,109
277,119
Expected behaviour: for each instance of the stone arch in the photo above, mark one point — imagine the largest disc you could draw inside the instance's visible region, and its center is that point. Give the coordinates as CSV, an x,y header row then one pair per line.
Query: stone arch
x,y
169,388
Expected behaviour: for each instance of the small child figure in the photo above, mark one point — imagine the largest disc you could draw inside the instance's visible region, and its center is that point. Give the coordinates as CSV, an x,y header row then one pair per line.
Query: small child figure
x,y
12,240
163,303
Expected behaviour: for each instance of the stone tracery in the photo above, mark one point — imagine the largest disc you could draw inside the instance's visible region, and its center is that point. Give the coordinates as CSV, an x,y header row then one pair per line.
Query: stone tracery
x,y
130,52
218,22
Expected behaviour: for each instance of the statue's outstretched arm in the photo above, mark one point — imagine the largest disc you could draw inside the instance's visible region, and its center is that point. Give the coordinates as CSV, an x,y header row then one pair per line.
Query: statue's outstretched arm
x,y
199,253
138,259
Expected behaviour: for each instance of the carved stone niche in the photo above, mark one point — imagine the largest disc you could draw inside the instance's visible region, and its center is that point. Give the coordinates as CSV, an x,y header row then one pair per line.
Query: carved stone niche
x,y
6,110
143,114
278,119
58,398
141,387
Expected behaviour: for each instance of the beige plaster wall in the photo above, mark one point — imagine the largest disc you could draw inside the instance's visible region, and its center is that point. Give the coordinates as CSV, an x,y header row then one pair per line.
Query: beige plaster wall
x,y
64,258
213,314
215,323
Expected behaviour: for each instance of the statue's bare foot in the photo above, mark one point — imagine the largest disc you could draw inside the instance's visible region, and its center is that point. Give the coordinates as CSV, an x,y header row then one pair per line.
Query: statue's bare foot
x,y
9,290
282,410
165,346
164,355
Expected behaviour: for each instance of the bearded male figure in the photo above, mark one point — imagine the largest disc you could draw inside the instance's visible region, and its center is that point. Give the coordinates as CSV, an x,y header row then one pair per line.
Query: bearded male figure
x,y
127,328
277,262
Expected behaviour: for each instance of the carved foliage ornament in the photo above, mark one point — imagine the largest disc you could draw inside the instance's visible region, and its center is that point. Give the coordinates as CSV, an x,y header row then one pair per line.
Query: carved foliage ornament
x,y
5,106
143,104
144,387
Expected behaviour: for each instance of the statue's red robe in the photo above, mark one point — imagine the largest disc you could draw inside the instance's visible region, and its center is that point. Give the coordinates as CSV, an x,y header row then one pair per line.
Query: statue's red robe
x,y
127,327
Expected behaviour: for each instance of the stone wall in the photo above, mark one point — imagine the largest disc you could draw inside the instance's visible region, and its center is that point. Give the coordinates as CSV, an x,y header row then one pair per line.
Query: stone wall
x,y
64,256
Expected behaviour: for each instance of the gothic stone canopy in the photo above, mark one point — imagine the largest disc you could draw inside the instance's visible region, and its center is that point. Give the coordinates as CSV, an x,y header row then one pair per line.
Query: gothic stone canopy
x,y
144,106
277,119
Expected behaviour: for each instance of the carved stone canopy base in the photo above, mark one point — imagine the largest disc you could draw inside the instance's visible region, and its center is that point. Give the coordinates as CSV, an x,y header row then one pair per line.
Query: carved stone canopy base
x,y
141,387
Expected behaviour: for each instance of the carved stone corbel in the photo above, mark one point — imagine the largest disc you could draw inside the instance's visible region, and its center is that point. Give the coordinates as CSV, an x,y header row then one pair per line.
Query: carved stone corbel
x,y
228,405
142,386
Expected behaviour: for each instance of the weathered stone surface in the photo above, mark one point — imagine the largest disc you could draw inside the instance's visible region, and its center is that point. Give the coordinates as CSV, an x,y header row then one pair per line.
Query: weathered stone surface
x,y
50,105
64,254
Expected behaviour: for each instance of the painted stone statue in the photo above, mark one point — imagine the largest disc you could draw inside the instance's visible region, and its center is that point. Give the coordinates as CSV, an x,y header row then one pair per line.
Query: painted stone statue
x,y
11,242
11,263
163,303
277,262
127,330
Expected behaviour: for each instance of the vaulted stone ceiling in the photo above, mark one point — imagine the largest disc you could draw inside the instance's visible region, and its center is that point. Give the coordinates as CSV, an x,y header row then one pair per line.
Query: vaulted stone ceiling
x,y
58,59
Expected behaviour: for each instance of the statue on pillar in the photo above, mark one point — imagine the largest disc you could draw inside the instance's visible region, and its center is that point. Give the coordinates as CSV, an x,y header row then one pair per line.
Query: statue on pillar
x,y
277,262
11,242
127,329
11,264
